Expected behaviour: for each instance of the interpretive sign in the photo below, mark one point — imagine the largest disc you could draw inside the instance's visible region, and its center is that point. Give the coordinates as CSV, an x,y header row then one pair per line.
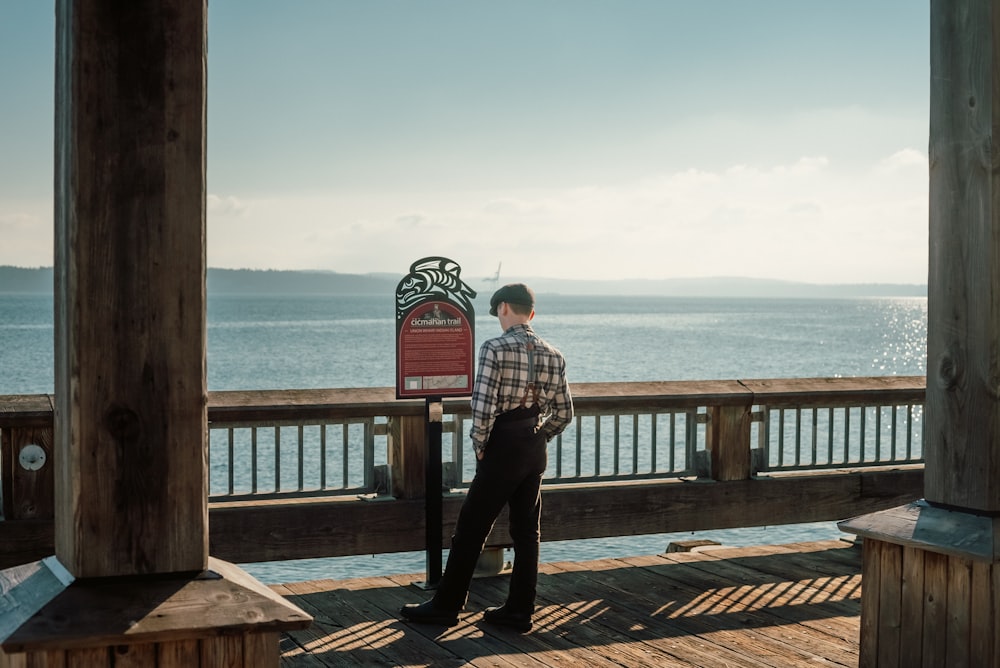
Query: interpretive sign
x,y
435,331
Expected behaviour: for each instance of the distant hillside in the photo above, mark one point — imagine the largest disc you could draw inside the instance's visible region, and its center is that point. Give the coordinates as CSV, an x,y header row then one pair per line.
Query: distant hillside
x,y
274,282
734,286
15,280
230,281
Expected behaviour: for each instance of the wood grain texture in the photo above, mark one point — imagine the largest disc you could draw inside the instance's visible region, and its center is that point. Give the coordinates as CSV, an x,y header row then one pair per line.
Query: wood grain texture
x,y
324,527
962,422
407,456
754,607
872,566
912,607
919,524
222,602
29,494
130,287
959,608
321,527
889,604
728,440
935,618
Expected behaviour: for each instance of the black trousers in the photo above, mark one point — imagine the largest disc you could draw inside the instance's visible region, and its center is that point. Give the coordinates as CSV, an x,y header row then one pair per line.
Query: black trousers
x,y
510,474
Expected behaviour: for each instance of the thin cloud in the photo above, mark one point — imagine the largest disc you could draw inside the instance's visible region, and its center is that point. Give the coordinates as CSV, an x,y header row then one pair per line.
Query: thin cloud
x,y
228,205
796,221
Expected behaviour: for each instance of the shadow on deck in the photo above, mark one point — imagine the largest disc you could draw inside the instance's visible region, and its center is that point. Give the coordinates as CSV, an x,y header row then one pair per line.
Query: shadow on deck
x,y
784,605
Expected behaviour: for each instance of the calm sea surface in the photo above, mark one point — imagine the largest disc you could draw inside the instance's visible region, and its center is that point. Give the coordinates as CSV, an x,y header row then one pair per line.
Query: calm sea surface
x,y
318,342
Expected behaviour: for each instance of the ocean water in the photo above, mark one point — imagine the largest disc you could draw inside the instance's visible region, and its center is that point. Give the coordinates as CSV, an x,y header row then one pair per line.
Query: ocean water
x,y
285,342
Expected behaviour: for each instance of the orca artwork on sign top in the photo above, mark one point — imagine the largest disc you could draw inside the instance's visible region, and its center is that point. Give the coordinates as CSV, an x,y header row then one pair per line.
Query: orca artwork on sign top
x,y
435,331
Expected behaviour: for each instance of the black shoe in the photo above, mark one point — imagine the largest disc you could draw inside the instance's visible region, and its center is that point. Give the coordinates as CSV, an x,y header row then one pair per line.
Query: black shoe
x,y
519,621
427,613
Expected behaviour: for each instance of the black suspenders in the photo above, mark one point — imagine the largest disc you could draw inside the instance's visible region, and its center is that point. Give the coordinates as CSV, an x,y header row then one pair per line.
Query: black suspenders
x,y
531,387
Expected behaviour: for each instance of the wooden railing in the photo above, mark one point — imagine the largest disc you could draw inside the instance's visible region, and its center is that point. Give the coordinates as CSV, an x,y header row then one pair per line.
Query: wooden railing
x,y
344,470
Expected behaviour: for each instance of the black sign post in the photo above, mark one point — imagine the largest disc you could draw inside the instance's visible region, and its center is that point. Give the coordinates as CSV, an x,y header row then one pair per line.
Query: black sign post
x,y
433,488
435,334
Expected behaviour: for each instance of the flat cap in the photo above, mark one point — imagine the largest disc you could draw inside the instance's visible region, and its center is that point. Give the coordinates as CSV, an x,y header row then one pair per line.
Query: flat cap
x,y
512,293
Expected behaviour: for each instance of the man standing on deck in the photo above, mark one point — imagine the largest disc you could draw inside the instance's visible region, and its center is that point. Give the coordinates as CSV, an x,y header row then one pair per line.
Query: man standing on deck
x,y
520,401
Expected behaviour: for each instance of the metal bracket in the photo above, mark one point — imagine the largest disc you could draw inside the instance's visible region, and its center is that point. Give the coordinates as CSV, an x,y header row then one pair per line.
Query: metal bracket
x,y
32,457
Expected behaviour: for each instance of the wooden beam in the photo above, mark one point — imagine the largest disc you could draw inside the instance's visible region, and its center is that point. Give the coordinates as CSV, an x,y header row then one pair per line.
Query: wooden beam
x,y
323,528
130,414
962,423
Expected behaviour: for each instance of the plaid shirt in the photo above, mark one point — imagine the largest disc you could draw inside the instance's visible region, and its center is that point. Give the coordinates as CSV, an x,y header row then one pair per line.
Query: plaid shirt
x,y
503,377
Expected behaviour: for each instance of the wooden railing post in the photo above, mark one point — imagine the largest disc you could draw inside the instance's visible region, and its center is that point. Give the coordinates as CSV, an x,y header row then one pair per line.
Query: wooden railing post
x,y
27,476
729,442
407,456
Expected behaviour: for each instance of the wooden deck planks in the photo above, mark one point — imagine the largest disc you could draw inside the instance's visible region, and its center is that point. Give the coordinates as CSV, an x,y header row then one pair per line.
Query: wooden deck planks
x,y
771,606
776,612
631,611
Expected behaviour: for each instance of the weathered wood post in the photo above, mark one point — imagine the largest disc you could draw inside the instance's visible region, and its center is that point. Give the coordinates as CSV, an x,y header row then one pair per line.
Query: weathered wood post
x,y
26,453
931,569
407,456
729,441
131,582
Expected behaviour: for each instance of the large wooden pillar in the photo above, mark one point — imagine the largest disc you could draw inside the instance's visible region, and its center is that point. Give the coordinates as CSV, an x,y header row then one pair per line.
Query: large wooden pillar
x,y
130,411
963,328
132,581
932,569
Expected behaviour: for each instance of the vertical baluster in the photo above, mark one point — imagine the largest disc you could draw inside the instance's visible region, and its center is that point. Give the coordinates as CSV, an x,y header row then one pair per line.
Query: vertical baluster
x,y
798,436
690,440
830,416
814,450
635,443
302,456
814,445
559,455
617,449
781,437
847,434
579,445
672,452
322,456
909,431
764,436
345,449
232,460
654,422
878,433
253,456
597,445
369,454
457,451
862,433
277,458
894,428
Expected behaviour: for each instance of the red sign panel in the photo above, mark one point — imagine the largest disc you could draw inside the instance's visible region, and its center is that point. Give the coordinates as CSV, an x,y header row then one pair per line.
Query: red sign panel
x,y
434,351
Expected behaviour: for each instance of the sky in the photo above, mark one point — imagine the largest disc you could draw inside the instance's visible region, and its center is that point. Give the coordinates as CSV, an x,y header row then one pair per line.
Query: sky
x,y
586,139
